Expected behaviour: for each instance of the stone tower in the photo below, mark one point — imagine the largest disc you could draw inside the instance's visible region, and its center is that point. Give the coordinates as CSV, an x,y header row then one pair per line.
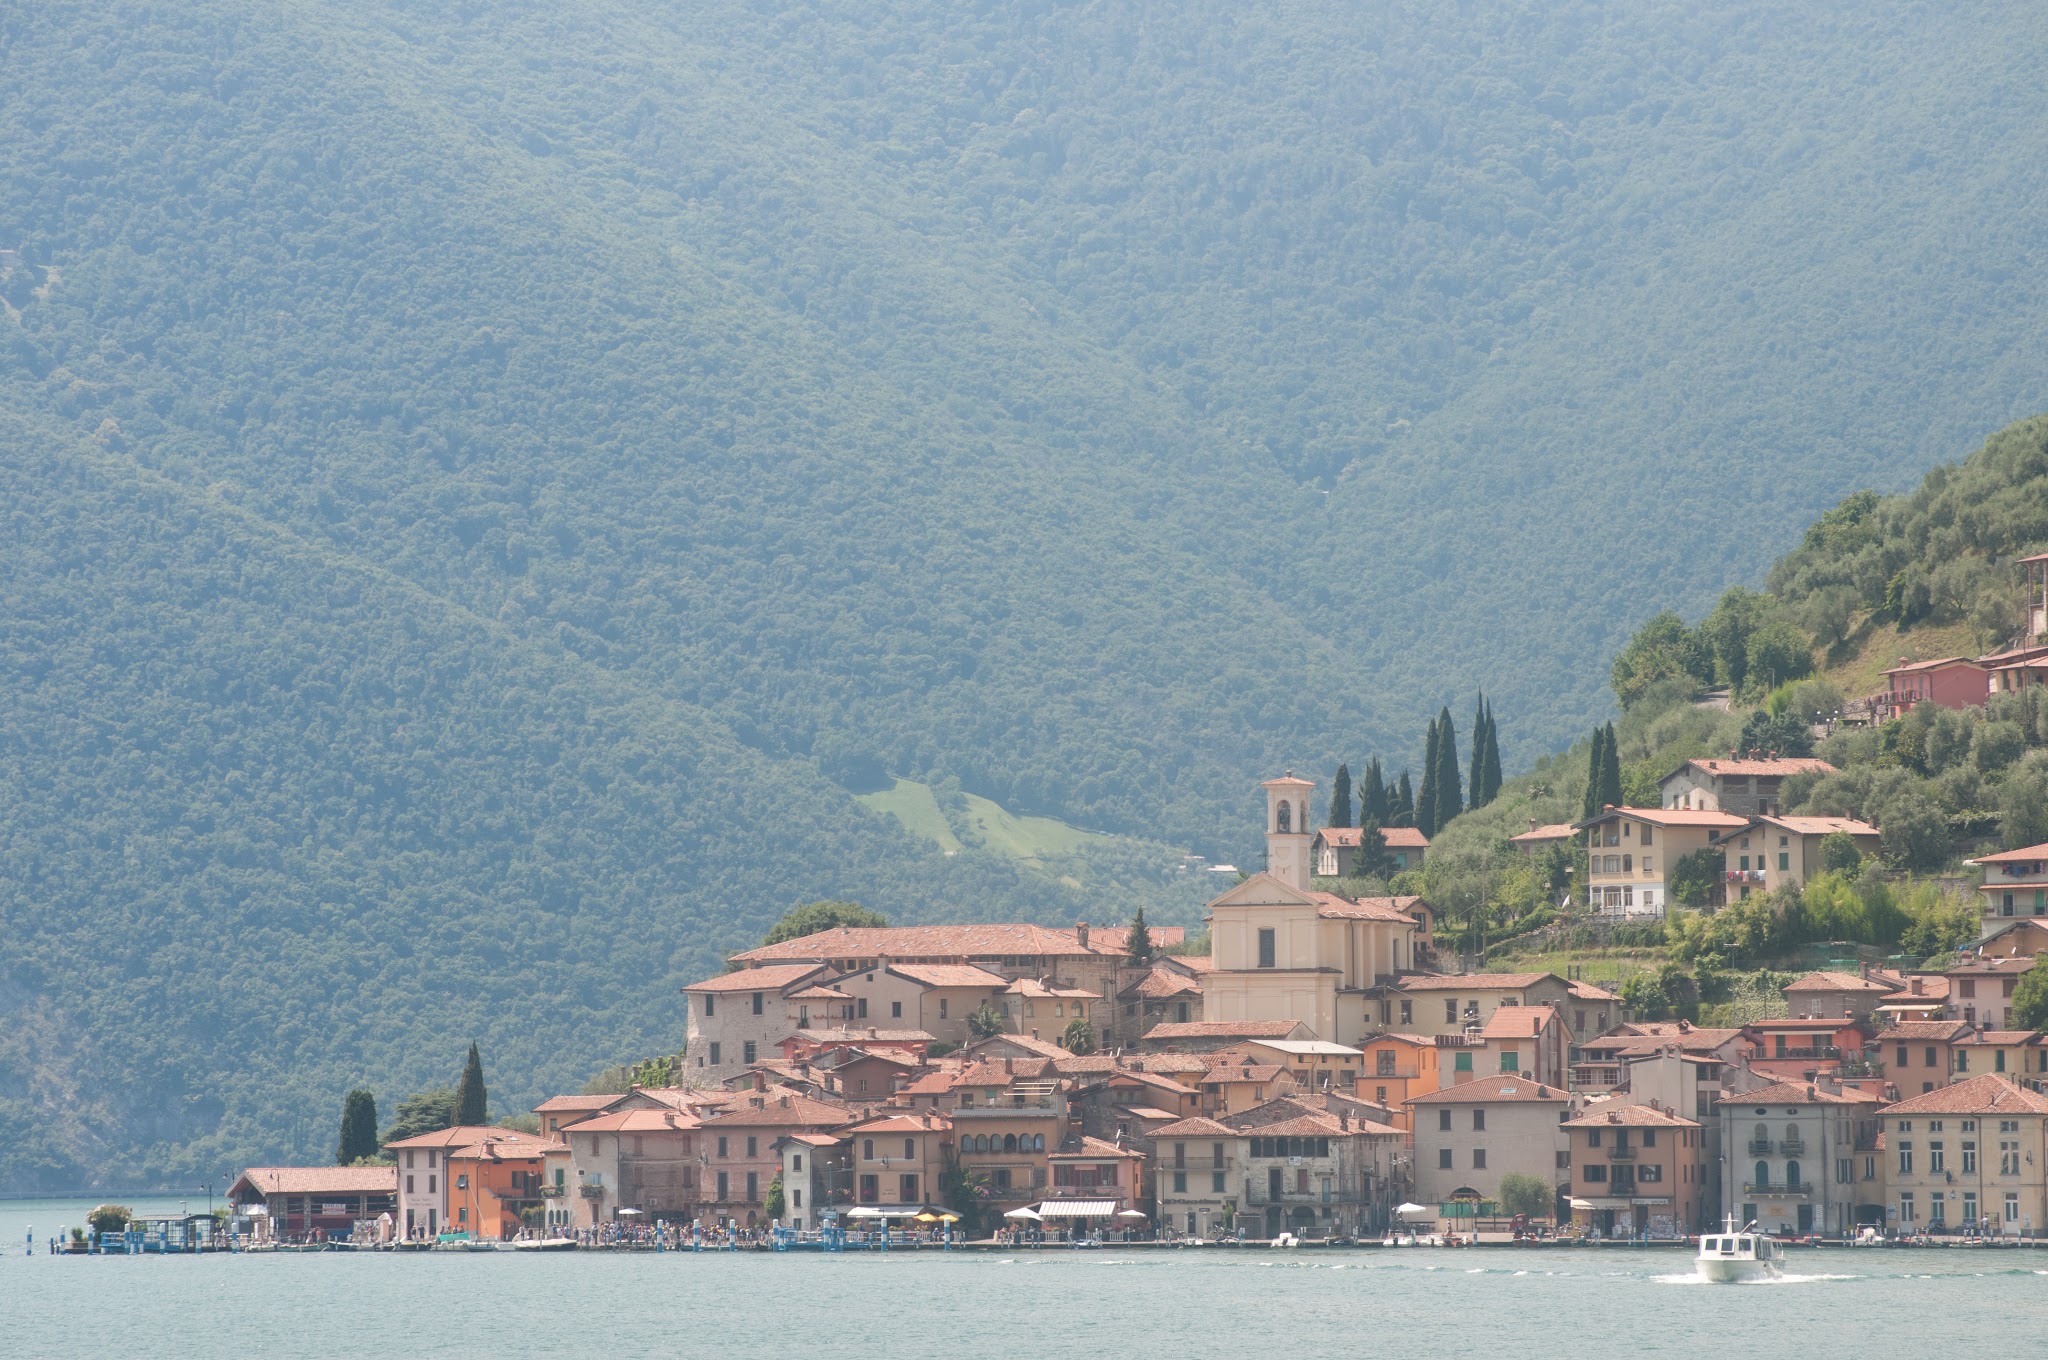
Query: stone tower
x,y
1287,829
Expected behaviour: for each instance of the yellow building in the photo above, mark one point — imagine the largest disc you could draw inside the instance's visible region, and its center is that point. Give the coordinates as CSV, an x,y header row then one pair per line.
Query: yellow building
x,y
1630,852
1969,1156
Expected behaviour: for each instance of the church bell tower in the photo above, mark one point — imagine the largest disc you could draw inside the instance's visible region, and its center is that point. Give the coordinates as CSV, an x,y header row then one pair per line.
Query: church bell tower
x,y
1287,829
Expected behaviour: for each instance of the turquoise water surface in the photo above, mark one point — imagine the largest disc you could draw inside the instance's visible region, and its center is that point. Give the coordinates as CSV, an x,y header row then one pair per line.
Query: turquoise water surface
x,y
1492,1304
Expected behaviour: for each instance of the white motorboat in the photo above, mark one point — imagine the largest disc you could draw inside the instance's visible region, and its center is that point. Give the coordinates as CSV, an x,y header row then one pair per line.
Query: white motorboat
x,y
1736,1254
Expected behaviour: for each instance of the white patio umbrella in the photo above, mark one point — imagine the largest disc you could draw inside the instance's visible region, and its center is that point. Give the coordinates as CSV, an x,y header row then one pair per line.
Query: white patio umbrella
x,y
1131,1213
1413,1210
865,1212
1026,1212
629,1213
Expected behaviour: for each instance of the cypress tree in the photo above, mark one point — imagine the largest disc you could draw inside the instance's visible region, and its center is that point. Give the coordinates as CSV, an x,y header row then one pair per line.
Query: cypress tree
x,y
1340,797
358,1128
1401,810
1372,795
1138,944
1475,786
1374,859
1425,802
1610,770
469,1092
1589,806
1492,756
1448,802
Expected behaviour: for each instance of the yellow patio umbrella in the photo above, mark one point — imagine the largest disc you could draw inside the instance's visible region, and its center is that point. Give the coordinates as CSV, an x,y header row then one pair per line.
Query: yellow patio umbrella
x,y
927,1217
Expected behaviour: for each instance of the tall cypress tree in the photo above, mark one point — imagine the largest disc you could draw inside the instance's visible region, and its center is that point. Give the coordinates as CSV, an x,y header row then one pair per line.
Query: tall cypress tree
x,y
1475,786
1425,802
358,1128
1492,756
1448,802
469,1092
1372,794
1589,806
1340,797
1374,859
1610,769
1401,808
1138,943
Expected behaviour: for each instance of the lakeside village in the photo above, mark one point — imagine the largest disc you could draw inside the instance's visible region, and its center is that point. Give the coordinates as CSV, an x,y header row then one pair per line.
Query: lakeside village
x,y
1313,1079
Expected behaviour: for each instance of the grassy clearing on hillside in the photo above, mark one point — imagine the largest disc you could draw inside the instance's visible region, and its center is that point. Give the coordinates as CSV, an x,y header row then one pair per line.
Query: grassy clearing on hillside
x,y
912,804
1003,831
1879,647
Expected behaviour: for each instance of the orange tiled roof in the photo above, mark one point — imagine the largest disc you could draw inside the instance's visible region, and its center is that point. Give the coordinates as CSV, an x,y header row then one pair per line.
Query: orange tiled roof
x,y
913,943
2021,855
1630,1116
1393,837
576,1104
1988,1094
1159,984
1224,1029
1197,1127
319,1180
1727,821
1795,1093
949,975
1489,1089
756,979
1766,766
776,1111
1821,826
1555,831
1517,1022
1837,982
464,1135
902,1123
1398,910
635,1121
1470,982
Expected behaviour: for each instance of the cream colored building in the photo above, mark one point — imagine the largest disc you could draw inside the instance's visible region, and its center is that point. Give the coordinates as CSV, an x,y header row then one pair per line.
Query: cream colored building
x,y
1747,787
1971,1155
1283,951
1630,852
1783,852
1468,1136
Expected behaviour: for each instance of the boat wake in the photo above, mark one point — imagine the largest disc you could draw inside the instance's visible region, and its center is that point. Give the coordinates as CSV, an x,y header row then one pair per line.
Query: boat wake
x,y
1692,1278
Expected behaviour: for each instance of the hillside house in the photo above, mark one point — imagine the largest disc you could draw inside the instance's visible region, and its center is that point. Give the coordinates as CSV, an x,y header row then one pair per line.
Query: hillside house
x,y
1637,1170
1336,849
1950,681
1748,788
2015,886
1783,852
1539,837
1631,851
1468,1136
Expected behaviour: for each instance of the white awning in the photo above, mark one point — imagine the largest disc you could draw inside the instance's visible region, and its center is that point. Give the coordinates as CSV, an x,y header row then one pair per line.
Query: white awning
x,y
1077,1208
866,1212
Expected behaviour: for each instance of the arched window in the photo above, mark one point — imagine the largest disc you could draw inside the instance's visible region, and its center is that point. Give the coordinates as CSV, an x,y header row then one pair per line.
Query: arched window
x,y
1791,1173
1009,1142
1286,816
1763,1137
1038,1142
1763,1174
1791,1133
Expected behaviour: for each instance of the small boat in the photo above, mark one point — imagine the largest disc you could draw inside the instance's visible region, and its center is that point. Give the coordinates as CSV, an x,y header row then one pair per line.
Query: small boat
x,y
1286,1241
476,1245
1736,1254
547,1244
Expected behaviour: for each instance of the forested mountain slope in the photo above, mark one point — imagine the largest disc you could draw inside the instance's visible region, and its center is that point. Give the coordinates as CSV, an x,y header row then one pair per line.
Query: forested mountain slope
x,y
1098,407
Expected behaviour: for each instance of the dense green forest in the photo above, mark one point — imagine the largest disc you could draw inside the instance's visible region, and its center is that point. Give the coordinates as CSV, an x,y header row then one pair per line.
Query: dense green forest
x,y
487,487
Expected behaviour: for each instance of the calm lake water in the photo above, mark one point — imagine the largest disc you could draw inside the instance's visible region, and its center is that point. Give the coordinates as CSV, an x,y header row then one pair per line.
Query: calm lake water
x,y
1487,1304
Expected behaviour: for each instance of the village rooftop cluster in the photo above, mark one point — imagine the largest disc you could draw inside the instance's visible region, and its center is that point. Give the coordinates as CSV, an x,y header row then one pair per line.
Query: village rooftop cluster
x,y
1314,1074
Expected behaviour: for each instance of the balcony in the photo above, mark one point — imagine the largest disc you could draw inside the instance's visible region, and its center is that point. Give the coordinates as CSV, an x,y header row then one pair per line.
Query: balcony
x,y
552,1192
1621,1154
590,1191
1793,1147
1782,1190
1759,1147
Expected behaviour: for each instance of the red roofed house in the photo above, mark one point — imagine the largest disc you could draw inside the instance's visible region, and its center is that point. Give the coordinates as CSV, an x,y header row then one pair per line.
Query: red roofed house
x,y
1786,851
2015,886
1164,993
1541,837
1399,1067
426,1193
1092,1180
1950,681
1526,1040
1842,996
898,1159
1784,1144
1638,1170
1980,990
631,1158
1746,787
1009,1114
1336,849
738,1149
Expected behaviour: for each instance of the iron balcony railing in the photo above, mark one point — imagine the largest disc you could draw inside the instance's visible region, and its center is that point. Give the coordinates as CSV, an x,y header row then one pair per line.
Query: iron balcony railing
x,y
1784,1189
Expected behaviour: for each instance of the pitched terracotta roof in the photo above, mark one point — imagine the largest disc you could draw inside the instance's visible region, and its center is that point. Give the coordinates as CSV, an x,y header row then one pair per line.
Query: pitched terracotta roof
x,y
1044,1048
1393,837
319,1180
1224,1029
1988,1094
2022,855
755,979
635,1121
1586,991
1933,989
1032,987
464,1135
1197,1127
1630,1116
949,975
1161,1063
1837,982
2004,1038
1224,1073
778,1111
1089,1146
1160,984
1973,967
1117,939
995,1072
865,1036
1199,963
1555,831
1908,667
1517,1022
1293,1117
913,943
1922,1031
576,1104
1796,1093
1766,766
1820,826
1470,982
1726,821
1398,910
902,1123
817,993
1487,1090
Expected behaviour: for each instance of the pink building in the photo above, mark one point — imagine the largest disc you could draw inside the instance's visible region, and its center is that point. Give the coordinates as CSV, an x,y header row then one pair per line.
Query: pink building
x,y
1951,681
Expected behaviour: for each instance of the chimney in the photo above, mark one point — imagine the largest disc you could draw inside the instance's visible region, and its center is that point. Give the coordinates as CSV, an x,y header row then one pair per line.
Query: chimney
x,y
760,1081
1009,1067
873,1033
758,1102
1081,933
1917,987
1809,1091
